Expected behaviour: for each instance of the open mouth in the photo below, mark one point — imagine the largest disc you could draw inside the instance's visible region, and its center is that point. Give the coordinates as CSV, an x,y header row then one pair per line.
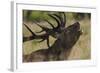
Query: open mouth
x,y
80,31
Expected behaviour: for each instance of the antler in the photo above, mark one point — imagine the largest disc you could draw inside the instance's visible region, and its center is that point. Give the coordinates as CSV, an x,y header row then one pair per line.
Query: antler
x,y
61,21
34,36
60,18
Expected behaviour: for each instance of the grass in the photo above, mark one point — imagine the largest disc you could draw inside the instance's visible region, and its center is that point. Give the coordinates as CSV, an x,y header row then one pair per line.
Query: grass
x,y
81,50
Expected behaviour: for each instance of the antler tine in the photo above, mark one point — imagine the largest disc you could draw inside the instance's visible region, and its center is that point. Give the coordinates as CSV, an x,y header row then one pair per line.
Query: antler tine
x,y
43,28
46,36
57,20
50,23
30,30
60,19
64,19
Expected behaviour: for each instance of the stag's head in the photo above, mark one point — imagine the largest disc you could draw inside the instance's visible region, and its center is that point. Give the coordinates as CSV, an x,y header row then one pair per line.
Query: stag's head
x,y
67,35
71,34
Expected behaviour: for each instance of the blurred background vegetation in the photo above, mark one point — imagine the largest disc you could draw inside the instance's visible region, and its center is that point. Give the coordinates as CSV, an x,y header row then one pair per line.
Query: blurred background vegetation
x,y
29,15
81,50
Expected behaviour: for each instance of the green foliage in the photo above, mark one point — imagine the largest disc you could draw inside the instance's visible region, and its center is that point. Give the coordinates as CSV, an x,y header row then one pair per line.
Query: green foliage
x,y
30,15
35,15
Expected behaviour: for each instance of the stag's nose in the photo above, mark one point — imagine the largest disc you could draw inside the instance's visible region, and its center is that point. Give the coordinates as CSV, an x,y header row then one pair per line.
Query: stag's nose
x,y
76,26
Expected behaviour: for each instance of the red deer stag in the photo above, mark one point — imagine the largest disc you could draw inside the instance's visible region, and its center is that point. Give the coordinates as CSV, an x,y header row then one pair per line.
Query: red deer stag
x,y
66,37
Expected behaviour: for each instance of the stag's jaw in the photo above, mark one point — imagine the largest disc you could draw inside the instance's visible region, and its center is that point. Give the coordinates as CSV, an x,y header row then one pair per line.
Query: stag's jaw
x,y
80,31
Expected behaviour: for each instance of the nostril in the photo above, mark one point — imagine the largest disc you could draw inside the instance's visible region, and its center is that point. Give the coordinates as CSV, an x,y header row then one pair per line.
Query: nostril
x,y
76,27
